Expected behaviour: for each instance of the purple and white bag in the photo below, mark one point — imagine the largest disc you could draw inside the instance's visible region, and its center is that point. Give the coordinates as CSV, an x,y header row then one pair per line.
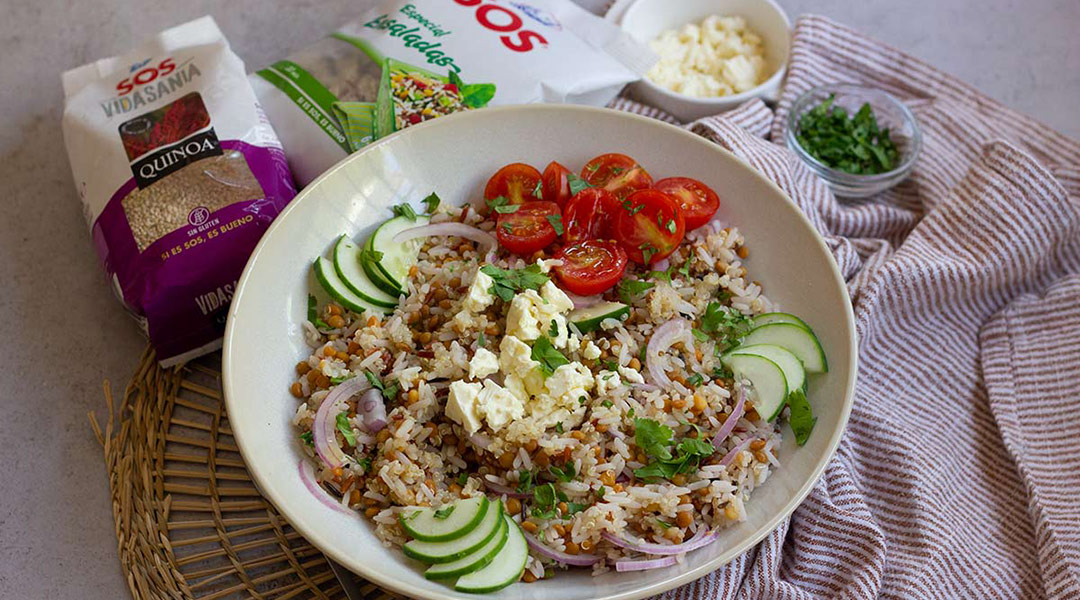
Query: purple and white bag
x,y
179,174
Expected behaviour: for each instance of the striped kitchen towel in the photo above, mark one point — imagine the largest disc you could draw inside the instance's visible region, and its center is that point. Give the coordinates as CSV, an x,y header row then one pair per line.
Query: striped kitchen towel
x,y
959,473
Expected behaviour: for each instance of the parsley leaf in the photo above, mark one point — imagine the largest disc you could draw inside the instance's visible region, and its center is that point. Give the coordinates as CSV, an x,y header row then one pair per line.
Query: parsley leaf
x,y
556,223
507,209
544,501
653,437
547,355
510,281
525,481
404,210
559,427
577,184
600,492
695,380
538,191
431,203
685,269
365,464
854,145
343,426
573,508
566,473
630,289
553,331
699,335
727,325
308,438
671,226
444,512
313,313
497,201
463,479
802,418
663,524
647,251
389,392
480,340
337,380
607,404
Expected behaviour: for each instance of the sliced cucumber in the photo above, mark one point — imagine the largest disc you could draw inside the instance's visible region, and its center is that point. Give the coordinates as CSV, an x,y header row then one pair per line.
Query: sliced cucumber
x,y
778,317
448,551
371,269
473,561
505,569
448,522
589,318
348,267
797,339
328,278
770,385
397,258
790,364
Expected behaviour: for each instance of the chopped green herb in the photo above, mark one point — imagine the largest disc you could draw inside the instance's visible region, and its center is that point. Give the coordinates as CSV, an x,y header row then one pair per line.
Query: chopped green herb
x,y
558,428
685,269
802,418
659,219
313,313
365,464
592,167
431,203
699,335
525,481
337,380
572,508
463,479
480,340
725,324
308,438
630,413
404,210
507,209
547,355
695,380
577,184
854,145
556,223
607,404
647,251
663,524
389,392
608,376
616,170
497,201
538,191
565,473
553,331
511,281
600,492
508,228
444,512
343,426
582,400
630,289
611,365
654,439
671,226
544,500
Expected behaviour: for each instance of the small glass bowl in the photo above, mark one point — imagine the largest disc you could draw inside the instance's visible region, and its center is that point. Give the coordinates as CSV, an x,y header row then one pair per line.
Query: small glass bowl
x,y
890,112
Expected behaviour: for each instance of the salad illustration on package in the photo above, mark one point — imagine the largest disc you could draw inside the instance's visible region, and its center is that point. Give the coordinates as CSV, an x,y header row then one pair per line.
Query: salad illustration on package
x,y
409,95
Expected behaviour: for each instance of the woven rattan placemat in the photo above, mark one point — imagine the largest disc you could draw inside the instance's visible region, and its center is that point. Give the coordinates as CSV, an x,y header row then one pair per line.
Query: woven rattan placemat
x,y
189,521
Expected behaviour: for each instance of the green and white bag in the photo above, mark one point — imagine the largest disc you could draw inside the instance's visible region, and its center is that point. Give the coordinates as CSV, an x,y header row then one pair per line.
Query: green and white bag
x,y
403,63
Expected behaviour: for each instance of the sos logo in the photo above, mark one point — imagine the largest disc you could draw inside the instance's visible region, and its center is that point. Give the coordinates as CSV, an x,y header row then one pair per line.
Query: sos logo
x,y
502,20
146,75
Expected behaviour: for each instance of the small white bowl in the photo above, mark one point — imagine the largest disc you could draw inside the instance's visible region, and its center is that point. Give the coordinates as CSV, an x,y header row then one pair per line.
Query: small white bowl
x,y
644,20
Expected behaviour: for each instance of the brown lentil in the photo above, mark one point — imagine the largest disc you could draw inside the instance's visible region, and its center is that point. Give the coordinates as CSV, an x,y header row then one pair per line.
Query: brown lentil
x,y
302,367
757,444
296,390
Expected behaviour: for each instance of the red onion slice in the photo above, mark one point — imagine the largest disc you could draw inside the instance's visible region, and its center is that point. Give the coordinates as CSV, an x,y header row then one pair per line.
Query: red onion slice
x,y
307,475
736,414
322,430
502,490
700,539
583,301
485,239
730,456
644,565
663,338
576,560
372,409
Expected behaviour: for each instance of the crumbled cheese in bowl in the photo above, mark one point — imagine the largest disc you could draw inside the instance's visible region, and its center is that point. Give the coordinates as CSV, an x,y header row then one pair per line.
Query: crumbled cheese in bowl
x,y
720,56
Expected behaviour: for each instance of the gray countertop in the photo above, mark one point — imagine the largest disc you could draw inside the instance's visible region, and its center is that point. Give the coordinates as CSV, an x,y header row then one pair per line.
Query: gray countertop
x,y
63,333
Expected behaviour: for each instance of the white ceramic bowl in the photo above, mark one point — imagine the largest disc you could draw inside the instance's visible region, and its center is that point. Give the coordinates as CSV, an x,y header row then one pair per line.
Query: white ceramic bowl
x,y
645,19
454,156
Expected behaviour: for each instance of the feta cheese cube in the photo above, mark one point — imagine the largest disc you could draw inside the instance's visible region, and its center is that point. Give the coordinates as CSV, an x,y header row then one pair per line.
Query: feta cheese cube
x,y
483,363
499,406
557,300
523,319
569,382
462,405
479,296
607,381
590,351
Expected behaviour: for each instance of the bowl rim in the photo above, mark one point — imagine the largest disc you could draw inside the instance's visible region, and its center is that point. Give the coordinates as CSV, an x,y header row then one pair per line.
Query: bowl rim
x,y
760,89
837,175
300,521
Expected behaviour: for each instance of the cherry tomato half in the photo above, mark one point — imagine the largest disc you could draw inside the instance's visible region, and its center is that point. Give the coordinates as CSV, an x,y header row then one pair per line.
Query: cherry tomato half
x,y
556,184
697,202
528,228
517,182
591,267
590,214
616,173
649,226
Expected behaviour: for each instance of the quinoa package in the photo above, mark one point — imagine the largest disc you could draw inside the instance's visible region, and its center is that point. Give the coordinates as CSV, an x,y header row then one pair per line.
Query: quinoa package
x,y
179,173
402,63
